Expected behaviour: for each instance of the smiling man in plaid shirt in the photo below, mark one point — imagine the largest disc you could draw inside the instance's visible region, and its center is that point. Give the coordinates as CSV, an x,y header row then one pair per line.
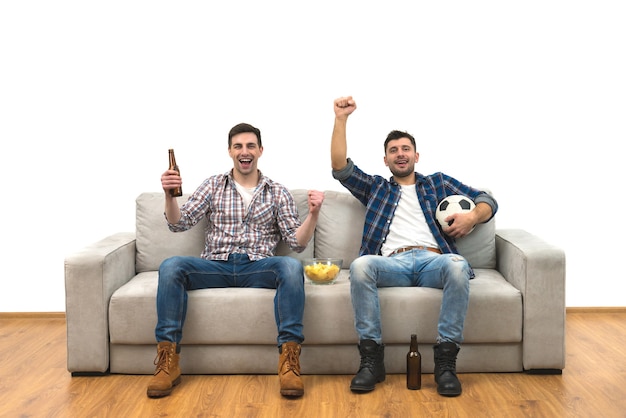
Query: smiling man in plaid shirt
x,y
248,214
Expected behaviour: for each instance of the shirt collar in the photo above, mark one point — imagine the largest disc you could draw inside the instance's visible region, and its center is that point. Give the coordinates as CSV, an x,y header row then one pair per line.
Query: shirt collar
x,y
231,179
418,178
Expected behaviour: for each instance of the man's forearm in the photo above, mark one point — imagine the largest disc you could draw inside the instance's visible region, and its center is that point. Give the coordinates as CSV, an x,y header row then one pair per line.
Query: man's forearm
x,y
306,230
338,145
482,212
172,211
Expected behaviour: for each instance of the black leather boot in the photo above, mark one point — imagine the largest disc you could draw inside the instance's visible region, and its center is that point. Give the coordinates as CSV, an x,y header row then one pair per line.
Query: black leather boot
x,y
445,369
372,368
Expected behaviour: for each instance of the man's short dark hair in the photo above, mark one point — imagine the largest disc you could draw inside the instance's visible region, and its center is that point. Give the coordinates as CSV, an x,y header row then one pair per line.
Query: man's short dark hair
x,y
243,128
397,135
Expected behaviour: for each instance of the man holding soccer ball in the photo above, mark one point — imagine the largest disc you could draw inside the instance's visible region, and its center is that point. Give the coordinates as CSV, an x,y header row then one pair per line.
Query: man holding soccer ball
x,y
403,245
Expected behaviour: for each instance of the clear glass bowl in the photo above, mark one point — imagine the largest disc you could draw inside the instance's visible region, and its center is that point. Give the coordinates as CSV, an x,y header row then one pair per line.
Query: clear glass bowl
x,y
322,270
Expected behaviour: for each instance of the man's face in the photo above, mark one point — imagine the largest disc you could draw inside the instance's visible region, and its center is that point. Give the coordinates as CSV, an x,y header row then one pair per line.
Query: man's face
x,y
245,151
401,157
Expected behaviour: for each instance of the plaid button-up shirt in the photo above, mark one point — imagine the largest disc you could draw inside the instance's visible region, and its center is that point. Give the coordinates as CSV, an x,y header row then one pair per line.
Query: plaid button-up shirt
x,y
381,196
272,215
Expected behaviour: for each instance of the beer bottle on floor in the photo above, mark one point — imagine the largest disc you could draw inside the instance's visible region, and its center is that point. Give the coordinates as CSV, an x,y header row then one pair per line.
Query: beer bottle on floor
x,y
413,366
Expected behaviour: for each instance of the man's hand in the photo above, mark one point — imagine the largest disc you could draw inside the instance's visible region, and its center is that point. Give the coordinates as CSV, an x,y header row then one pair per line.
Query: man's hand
x,y
306,230
465,222
170,180
462,224
344,106
315,199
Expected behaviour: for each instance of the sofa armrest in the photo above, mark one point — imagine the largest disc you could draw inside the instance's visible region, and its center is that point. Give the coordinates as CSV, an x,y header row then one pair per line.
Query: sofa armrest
x,y
537,269
91,276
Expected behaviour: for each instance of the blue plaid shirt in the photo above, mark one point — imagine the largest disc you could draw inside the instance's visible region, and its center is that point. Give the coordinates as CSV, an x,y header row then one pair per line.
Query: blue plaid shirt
x,y
381,196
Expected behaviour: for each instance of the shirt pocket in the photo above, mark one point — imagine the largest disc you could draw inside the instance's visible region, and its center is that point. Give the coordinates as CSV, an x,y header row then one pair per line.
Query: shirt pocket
x,y
263,218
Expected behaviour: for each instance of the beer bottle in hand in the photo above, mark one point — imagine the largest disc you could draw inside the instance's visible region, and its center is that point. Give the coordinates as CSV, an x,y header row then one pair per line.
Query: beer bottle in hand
x,y
178,191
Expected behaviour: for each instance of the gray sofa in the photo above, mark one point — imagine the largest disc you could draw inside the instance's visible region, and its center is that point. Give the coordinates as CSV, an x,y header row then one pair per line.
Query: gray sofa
x,y
515,321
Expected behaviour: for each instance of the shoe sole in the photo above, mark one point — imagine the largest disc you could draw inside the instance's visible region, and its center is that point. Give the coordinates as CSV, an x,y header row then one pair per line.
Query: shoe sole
x,y
365,389
361,389
154,393
448,393
292,393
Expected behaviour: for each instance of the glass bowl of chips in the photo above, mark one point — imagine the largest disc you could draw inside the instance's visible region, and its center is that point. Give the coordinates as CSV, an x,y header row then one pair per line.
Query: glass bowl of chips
x,y
322,270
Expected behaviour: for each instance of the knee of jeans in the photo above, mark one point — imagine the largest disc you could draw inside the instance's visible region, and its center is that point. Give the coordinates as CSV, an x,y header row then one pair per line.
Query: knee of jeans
x,y
169,266
458,268
290,267
360,268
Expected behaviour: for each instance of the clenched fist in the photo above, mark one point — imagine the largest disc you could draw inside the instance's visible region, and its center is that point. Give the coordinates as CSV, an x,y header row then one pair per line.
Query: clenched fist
x,y
344,106
315,199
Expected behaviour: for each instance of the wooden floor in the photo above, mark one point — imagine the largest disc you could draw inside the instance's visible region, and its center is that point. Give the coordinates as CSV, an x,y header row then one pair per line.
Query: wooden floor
x,y
34,382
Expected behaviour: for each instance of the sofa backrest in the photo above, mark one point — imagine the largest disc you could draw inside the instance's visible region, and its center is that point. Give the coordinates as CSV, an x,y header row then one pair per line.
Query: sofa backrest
x,y
154,241
338,233
339,227
479,247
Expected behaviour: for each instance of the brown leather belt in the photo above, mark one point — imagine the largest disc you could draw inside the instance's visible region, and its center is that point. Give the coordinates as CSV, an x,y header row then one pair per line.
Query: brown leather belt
x,y
415,247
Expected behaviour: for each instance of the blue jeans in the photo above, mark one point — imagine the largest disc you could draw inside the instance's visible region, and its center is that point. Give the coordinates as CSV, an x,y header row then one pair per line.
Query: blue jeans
x,y
449,272
177,275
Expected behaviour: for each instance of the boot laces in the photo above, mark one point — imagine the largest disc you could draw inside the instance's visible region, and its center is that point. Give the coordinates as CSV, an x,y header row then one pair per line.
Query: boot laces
x,y
162,361
291,360
447,364
367,362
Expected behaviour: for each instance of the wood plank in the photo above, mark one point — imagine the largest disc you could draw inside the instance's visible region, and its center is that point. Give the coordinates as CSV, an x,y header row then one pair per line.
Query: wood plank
x,y
18,315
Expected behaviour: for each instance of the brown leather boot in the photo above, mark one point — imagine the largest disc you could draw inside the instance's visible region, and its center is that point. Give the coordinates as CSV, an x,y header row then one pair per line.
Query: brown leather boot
x,y
167,374
289,370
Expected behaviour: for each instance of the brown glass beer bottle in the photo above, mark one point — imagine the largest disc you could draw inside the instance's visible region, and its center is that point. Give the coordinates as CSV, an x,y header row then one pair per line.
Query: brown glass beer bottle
x,y
178,191
413,366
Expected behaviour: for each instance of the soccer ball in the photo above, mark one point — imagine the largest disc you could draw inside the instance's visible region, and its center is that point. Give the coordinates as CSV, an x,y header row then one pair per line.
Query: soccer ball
x,y
452,204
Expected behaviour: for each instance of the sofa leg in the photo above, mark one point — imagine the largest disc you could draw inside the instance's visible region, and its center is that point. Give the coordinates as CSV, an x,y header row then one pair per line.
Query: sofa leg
x,y
87,374
543,371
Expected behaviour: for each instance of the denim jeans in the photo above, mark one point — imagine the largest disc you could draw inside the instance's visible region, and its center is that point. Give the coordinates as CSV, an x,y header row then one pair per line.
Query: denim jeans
x,y
449,272
177,275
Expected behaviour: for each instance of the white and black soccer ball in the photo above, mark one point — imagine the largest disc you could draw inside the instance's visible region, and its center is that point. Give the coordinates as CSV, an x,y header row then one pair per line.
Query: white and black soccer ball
x,y
452,204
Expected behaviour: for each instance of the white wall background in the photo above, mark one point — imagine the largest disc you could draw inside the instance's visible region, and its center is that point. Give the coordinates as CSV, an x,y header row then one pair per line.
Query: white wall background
x,y
525,98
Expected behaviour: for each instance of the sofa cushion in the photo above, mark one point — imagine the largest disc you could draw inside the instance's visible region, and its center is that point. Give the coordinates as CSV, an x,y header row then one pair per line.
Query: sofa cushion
x,y
494,313
479,247
339,227
155,242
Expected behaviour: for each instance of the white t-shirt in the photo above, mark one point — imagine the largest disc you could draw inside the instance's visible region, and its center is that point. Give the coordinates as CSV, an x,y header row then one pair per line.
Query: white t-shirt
x,y
246,194
408,226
